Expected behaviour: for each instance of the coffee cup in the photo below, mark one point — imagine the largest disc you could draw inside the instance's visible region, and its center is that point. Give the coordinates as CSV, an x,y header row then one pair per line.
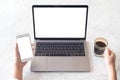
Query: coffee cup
x,y
100,45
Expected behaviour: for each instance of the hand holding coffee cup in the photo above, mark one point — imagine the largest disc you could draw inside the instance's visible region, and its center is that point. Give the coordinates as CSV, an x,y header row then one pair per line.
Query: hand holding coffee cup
x,y
100,45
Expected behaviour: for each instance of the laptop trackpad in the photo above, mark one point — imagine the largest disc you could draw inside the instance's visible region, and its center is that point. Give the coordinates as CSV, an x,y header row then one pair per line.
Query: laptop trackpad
x,y
60,63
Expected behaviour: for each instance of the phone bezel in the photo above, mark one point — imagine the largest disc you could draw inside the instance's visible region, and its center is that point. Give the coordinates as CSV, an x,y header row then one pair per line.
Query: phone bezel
x,y
21,36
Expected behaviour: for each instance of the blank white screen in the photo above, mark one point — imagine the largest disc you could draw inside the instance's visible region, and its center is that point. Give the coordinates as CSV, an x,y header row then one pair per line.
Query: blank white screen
x,y
60,22
24,46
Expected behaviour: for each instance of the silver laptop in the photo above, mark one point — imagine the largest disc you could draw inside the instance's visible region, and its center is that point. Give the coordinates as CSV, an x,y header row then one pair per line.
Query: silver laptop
x,y
60,38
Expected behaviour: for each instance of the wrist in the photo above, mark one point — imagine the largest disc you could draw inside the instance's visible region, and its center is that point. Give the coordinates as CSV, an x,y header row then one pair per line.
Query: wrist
x,y
18,67
112,72
111,67
17,72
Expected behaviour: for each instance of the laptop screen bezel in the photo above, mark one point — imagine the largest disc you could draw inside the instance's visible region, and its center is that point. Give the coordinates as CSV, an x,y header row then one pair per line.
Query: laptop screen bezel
x,y
38,6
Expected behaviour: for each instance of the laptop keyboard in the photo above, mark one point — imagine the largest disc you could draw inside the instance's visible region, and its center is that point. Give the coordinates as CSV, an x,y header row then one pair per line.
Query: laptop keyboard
x,y
60,49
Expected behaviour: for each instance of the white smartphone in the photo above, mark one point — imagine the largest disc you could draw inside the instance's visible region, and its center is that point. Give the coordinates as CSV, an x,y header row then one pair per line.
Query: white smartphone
x,y
24,47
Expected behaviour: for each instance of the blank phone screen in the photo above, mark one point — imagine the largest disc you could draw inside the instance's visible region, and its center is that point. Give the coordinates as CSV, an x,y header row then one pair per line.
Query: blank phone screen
x,y
24,46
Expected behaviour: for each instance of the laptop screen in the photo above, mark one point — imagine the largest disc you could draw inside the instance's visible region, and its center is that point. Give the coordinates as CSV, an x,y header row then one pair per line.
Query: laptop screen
x,y
60,22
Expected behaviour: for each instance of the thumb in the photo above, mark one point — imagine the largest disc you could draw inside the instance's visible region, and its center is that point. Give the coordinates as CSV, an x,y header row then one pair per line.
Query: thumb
x,y
106,52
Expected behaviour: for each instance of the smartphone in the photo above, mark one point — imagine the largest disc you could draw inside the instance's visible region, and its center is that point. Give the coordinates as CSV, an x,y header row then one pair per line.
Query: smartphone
x,y
24,47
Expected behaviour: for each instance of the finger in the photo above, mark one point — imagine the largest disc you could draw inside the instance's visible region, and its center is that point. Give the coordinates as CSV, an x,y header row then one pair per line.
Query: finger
x,y
33,44
113,54
106,53
103,55
17,55
109,52
16,51
33,49
16,48
24,63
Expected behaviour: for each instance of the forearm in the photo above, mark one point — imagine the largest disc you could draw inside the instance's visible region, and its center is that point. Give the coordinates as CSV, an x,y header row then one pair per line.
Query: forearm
x,y
112,73
17,73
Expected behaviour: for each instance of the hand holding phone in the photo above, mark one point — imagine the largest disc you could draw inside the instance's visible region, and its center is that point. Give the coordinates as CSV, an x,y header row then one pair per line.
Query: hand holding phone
x,y
24,47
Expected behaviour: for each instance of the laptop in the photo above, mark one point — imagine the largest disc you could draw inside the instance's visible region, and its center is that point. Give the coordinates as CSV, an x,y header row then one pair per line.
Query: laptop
x,y
60,38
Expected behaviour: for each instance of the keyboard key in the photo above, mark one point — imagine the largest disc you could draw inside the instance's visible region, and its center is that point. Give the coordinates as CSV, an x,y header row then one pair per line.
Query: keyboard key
x,y
60,49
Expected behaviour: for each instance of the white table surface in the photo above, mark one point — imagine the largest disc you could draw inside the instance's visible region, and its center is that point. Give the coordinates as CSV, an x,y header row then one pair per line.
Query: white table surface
x,y
103,20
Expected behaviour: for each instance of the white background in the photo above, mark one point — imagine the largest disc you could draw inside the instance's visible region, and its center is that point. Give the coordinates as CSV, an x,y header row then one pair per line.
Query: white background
x,y
16,18
60,22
